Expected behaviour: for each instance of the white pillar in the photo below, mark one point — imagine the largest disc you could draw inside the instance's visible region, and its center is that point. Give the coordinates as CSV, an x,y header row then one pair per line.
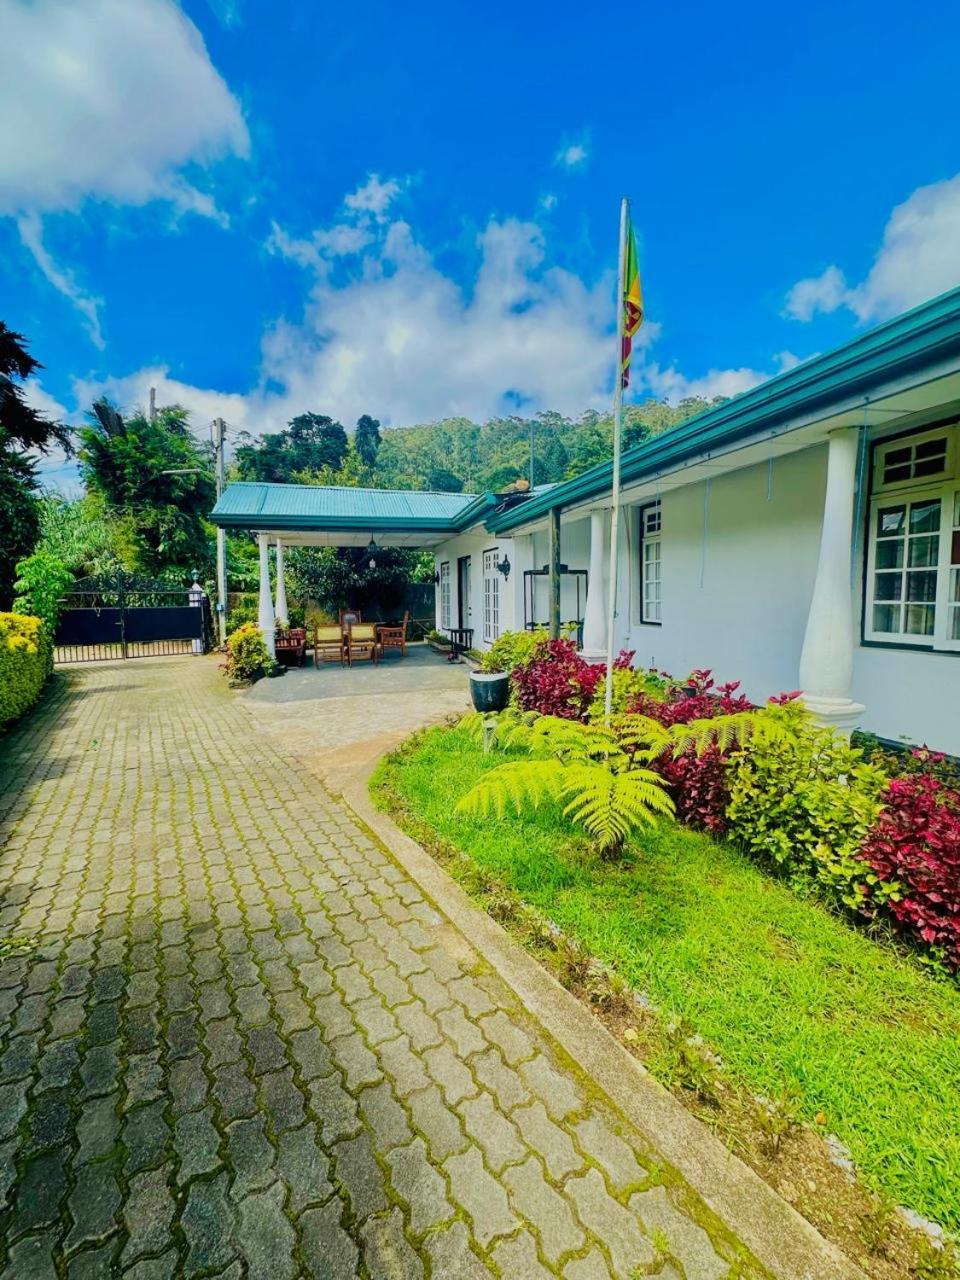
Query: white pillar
x,y
595,610
281,607
265,616
826,661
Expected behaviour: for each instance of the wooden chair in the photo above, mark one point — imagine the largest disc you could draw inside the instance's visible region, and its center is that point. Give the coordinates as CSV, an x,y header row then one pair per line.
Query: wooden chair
x,y
362,639
327,641
348,616
291,647
394,637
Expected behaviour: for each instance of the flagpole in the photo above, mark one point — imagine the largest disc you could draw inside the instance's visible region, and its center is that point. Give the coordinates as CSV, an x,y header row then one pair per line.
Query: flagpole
x,y
615,504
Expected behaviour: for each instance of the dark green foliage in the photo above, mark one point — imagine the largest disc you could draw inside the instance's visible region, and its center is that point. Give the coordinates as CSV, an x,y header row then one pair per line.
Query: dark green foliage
x,y
124,460
19,516
311,442
41,581
341,578
21,428
366,439
440,480
81,533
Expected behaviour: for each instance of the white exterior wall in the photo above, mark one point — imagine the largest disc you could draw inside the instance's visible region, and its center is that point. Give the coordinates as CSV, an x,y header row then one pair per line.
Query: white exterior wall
x,y
474,544
574,552
738,572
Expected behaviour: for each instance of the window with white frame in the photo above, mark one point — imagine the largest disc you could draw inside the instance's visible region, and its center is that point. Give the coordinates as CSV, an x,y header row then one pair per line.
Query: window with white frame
x,y
913,560
445,594
651,610
491,595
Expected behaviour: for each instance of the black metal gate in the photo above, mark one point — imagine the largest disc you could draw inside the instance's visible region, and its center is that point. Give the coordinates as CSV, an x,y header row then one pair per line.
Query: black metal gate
x,y
121,615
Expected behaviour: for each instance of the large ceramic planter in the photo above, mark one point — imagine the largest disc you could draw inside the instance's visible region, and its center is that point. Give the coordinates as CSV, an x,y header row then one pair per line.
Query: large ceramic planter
x,y
490,690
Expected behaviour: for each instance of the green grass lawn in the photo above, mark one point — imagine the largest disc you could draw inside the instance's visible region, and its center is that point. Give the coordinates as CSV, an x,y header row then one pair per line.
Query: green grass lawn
x,y
785,992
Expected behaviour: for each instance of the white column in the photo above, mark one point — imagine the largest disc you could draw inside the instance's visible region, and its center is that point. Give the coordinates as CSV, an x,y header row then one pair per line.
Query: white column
x,y
281,606
826,661
265,616
595,610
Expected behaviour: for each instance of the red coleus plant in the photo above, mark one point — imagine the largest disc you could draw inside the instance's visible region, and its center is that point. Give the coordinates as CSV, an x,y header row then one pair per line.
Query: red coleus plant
x,y
697,783
915,845
557,681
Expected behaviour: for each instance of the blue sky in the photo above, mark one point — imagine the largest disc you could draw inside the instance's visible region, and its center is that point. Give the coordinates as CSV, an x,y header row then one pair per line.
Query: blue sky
x,y
263,208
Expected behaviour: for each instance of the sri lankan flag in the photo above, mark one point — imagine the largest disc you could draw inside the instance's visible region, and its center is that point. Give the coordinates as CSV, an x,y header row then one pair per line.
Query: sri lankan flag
x,y
632,303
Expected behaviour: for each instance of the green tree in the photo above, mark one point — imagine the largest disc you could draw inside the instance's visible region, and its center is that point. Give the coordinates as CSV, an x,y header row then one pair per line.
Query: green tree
x,y
366,439
156,481
80,532
440,480
311,442
22,428
341,577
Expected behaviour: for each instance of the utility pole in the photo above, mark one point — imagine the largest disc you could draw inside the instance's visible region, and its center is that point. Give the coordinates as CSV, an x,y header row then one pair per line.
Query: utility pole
x,y
153,404
532,430
219,426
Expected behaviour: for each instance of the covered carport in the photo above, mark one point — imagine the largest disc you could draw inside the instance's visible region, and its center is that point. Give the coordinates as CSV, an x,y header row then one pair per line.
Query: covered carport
x,y
301,515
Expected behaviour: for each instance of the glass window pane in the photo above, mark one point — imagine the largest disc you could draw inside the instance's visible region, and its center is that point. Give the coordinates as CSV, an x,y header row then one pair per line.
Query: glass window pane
x,y
955,547
924,550
929,466
903,454
887,586
886,618
892,474
890,521
932,448
925,516
954,594
889,553
919,619
954,624
922,585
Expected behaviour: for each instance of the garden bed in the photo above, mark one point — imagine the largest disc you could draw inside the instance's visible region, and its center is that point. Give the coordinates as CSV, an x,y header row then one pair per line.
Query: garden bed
x,y
850,1040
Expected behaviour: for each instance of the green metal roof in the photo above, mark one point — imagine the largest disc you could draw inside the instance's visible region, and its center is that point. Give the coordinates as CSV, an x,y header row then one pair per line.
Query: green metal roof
x,y
251,505
918,339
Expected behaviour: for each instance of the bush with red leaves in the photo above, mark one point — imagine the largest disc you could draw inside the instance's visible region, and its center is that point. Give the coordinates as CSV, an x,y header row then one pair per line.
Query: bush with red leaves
x,y
557,681
915,845
697,783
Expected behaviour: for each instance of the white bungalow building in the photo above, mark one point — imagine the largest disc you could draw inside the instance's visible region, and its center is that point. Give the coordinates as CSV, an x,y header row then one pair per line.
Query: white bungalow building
x,y
804,535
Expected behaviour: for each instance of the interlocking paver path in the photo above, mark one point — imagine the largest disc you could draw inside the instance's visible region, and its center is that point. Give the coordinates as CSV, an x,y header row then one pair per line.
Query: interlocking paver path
x,y
241,1042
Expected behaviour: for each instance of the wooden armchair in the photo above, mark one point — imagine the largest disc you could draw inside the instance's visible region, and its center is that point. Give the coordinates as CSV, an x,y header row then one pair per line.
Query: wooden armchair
x,y
327,642
348,616
362,640
291,647
394,637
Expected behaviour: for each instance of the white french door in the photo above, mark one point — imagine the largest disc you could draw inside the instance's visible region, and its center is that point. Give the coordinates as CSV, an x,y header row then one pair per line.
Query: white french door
x,y
491,596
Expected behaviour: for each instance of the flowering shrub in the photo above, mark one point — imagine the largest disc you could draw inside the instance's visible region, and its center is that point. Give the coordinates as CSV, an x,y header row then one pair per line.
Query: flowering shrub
x,y
511,649
913,852
556,681
247,655
26,660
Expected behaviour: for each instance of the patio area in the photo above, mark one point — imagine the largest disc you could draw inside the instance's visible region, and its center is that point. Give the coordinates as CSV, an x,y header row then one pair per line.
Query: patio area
x,y
338,719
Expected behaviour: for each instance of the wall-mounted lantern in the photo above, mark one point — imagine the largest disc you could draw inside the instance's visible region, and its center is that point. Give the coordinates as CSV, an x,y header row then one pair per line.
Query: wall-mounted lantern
x,y
503,566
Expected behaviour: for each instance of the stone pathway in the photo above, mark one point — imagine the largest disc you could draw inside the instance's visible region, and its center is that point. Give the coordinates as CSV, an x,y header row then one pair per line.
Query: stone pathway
x,y
241,1043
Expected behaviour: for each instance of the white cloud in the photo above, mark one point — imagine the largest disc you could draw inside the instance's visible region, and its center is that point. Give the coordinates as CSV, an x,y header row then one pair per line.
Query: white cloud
x,y
106,101
573,154
671,384
918,259
389,333
63,280
374,197
548,201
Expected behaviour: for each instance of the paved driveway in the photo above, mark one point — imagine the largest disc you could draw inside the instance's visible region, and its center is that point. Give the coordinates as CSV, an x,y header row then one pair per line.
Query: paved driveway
x,y
242,1043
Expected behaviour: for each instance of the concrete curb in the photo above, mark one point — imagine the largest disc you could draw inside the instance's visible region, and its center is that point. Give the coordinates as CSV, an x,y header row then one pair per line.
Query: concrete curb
x,y
784,1242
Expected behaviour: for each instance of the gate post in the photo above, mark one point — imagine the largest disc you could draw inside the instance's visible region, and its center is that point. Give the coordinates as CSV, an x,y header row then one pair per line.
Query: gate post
x,y
122,606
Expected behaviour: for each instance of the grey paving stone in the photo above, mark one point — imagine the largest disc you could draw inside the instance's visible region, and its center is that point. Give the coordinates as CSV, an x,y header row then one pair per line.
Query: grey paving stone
x,y
208,1223
329,1252
517,1258
614,1156
552,1144
418,1183
481,1195
356,1170
305,1167
266,1237
93,1206
196,1143
492,1131
451,1257
514,1044
589,1267
250,1156
386,1117
606,1220
148,1214
387,1252
31,1259
545,1208
689,1243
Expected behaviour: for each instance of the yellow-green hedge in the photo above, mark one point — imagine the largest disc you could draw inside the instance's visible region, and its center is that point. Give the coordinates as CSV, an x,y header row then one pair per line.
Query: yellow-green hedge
x,y
26,660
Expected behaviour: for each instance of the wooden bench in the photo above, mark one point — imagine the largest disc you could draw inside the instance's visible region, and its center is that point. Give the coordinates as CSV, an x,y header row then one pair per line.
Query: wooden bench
x,y
291,647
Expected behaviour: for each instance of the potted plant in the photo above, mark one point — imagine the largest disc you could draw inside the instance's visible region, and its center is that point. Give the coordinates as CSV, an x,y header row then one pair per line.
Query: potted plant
x,y
490,683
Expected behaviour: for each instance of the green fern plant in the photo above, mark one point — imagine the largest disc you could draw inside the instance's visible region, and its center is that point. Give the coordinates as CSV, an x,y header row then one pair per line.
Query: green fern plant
x,y
599,775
